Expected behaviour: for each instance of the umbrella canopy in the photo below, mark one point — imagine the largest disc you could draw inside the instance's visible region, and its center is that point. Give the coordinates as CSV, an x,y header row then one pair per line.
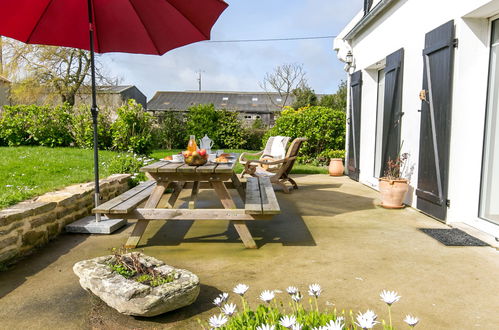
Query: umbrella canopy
x,y
129,26
103,26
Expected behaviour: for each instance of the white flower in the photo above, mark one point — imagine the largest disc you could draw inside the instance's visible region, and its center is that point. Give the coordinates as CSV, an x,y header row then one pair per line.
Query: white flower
x,y
287,321
389,297
297,297
336,325
218,321
265,327
314,290
267,296
218,301
366,320
277,291
320,328
229,309
8,185
224,296
292,290
296,326
411,320
241,289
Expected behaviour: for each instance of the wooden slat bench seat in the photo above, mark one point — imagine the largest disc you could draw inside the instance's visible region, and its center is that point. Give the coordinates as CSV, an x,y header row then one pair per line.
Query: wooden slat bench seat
x,y
260,197
128,201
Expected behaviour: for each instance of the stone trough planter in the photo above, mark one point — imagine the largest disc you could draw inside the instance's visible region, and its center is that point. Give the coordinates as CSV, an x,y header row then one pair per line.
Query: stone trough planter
x,y
133,298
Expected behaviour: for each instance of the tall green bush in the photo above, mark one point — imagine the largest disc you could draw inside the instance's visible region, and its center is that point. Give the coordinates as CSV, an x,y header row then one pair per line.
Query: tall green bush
x,y
35,125
201,119
169,131
132,130
323,127
82,131
229,133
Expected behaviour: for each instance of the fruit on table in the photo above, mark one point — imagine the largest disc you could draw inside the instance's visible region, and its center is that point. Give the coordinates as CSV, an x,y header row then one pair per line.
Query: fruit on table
x,y
198,157
202,152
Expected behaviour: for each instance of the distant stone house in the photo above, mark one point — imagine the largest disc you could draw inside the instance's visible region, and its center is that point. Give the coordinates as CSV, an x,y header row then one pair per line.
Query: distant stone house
x,y
112,96
4,91
249,105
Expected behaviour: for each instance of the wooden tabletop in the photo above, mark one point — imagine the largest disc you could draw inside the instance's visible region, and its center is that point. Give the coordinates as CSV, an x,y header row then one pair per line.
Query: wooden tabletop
x,y
166,166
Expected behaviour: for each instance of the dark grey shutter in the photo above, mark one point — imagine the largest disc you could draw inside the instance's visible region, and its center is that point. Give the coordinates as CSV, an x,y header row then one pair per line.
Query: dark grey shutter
x,y
434,143
354,125
392,111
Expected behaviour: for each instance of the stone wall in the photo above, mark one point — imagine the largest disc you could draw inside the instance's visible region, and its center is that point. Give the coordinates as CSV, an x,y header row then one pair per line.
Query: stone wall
x,y
33,223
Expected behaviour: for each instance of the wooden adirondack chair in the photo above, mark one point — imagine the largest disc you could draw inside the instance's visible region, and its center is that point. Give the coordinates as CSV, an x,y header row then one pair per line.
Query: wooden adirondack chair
x,y
269,152
281,175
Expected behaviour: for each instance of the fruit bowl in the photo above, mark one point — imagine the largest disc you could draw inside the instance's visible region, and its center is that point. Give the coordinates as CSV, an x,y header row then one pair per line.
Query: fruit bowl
x,y
195,161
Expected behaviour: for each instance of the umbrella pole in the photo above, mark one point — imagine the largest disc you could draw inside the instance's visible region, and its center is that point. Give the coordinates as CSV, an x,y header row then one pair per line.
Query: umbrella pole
x,y
95,111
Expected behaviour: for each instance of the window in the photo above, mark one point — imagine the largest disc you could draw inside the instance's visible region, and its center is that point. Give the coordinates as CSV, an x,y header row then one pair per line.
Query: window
x,y
225,98
254,99
378,148
278,99
489,207
257,117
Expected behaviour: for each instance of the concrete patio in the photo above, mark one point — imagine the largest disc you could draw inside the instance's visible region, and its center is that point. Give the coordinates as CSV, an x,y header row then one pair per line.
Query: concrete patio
x,y
331,232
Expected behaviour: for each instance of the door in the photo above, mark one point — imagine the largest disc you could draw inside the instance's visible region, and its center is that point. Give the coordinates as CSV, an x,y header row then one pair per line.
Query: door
x,y
354,125
392,108
436,104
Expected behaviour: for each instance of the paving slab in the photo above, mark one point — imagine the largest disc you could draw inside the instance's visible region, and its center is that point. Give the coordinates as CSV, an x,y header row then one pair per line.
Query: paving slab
x,y
331,232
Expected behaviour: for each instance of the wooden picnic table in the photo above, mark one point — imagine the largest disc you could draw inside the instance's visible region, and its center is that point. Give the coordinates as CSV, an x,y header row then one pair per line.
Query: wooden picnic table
x,y
257,193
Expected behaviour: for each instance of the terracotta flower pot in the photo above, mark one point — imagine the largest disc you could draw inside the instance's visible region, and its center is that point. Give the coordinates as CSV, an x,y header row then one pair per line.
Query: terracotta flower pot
x,y
393,192
336,167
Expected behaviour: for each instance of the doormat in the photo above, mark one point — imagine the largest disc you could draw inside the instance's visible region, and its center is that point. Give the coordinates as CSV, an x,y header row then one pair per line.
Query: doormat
x,y
453,237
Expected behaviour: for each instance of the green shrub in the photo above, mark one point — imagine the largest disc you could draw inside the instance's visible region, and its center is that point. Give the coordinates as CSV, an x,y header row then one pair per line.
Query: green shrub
x,y
254,138
82,131
229,133
169,131
35,125
128,163
132,130
323,127
201,119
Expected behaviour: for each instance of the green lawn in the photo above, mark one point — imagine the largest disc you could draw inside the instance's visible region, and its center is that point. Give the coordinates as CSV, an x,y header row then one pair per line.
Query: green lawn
x,y
26,172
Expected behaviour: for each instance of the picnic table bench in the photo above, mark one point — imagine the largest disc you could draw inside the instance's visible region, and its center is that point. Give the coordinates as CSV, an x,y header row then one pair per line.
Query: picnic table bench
x,y
257,193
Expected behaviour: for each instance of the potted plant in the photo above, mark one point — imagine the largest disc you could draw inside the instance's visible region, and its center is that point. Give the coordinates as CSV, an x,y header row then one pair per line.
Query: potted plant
x,y
336,167
392,186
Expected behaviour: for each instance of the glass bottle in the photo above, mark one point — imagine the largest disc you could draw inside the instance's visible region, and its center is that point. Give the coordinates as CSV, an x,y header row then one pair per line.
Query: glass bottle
x,y
192,145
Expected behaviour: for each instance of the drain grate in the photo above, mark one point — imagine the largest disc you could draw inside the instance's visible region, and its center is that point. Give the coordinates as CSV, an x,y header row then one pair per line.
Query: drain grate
x,y
453,237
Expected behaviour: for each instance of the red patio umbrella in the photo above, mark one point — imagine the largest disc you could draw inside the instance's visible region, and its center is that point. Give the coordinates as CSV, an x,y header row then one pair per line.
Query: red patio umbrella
x,y
103,26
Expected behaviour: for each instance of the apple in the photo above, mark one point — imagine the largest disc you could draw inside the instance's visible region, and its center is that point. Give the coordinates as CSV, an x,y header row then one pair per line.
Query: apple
x,y
195,154
202,152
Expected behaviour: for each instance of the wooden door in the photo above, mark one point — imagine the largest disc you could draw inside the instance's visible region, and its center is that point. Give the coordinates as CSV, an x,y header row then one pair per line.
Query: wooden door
x,y
354,125
434,140
392,108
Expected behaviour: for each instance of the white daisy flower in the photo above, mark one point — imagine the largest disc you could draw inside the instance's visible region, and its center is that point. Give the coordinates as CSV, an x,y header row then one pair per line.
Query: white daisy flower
x,y
389,297
218,301
217,321
411,320
229,309
336,325
296,326
320,328
292,290
241,289
314,290
370,314
265,327
366,320
224,296
287,321
267,296
297,297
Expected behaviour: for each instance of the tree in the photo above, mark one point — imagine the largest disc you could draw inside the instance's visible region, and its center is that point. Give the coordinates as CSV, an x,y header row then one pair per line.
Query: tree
x,y
337,101
304,96
37,68
283,81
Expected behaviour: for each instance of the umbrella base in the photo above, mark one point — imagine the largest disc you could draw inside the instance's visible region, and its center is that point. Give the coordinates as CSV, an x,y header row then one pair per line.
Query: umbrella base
x,y
88,225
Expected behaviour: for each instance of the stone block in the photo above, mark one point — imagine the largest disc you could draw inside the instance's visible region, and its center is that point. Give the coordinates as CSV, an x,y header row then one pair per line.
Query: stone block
x,y
53,230
7,242
133,298
34,238
35,207
40,220
8,255
8,216
13,227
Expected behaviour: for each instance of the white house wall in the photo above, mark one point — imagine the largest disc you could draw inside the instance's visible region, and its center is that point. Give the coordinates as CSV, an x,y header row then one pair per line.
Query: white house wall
x,y
404,25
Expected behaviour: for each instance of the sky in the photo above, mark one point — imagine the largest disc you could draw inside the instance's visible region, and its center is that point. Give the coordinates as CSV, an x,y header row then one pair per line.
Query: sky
x,y
242,66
